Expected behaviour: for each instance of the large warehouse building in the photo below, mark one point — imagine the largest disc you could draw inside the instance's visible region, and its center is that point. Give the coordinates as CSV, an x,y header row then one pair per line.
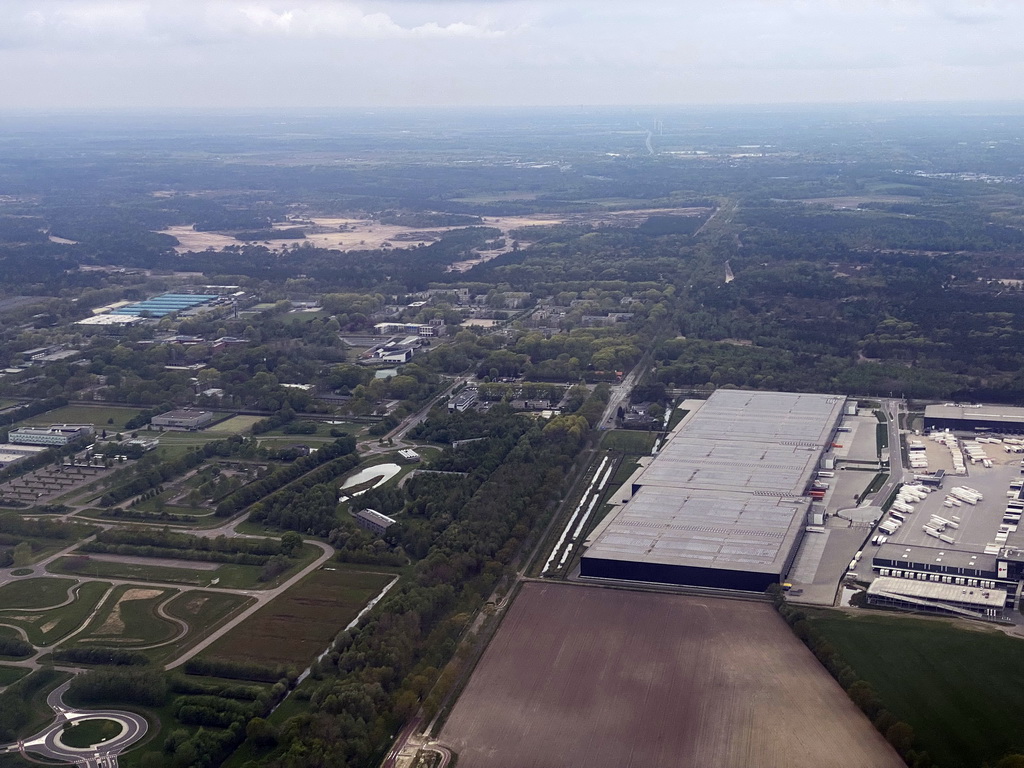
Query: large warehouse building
x,y
723,504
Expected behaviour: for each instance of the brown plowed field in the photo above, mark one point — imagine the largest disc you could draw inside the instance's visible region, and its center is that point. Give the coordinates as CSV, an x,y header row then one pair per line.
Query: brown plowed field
x,y
592,678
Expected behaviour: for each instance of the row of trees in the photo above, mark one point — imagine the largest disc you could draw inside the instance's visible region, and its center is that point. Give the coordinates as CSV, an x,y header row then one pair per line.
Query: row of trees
x,y
897,732
243,497
467,536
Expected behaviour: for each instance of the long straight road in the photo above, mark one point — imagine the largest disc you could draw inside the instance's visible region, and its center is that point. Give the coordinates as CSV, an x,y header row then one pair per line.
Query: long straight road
x,y
620,392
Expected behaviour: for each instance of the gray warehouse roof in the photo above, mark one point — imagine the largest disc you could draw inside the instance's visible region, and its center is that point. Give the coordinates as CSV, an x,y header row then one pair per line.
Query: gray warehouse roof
x,y
726,490
993,413
717,530
766,442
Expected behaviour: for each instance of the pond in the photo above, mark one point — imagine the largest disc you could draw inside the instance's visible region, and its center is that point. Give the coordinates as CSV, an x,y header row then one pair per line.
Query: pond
x,y
381,472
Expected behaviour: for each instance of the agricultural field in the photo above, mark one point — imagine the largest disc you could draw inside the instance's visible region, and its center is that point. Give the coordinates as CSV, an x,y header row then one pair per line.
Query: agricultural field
x,y
583,676
957,684
301,623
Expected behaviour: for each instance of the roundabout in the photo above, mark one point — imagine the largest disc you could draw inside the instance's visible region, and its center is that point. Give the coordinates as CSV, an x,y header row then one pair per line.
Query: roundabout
x,y
91,738
87,733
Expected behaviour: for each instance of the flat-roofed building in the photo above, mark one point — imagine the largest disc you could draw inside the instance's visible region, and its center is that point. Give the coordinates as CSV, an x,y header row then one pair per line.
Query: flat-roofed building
x,y
7,458
463,401
724,502
110,320
165,304
374,521
183,419
975,418
56,434
932,597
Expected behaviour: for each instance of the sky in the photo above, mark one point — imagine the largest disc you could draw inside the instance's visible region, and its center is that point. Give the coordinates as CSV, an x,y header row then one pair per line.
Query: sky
x,y
134,54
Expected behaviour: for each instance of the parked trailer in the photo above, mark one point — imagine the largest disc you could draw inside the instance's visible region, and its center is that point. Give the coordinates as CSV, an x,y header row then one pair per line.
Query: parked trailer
x,y
946,538
963,495
932,532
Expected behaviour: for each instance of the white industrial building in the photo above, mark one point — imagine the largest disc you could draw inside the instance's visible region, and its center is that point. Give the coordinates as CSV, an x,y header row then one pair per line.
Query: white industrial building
x,y
56,434
183,419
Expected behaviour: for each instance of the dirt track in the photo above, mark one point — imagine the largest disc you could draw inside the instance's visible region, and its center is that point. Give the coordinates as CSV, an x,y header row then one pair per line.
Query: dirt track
x,y
582,676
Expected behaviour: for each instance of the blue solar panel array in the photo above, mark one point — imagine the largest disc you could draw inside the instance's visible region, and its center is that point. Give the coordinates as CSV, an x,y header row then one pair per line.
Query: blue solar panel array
x,y
165,304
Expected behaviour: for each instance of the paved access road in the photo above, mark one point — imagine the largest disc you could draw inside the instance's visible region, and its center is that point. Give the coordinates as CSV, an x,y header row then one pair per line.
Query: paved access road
x,y
47,743
892,410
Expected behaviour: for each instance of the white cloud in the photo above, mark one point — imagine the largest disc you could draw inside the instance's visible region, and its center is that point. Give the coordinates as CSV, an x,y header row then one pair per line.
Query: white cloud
x,y
464,52
91,23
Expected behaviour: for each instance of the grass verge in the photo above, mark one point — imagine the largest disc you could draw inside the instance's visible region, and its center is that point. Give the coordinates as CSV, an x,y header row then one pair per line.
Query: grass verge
x,y
629,441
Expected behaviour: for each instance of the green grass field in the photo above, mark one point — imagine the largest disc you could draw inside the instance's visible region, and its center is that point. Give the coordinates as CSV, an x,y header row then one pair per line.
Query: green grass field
x,y
301,623
10,675
112,570
34,593
958,686
99,416
128,618
87,733
629,441
47,627
225,575
236,425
